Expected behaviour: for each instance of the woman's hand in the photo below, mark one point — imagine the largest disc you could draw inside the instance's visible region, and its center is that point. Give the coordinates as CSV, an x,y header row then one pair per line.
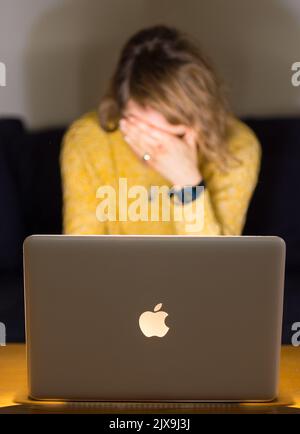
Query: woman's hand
x,y
176,159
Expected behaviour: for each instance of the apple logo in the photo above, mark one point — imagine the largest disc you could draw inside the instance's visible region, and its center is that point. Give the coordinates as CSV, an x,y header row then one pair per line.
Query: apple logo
x,y
153,323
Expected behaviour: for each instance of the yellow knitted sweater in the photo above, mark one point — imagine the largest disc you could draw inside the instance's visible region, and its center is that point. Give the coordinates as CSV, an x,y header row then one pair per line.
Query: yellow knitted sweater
x,y
92,159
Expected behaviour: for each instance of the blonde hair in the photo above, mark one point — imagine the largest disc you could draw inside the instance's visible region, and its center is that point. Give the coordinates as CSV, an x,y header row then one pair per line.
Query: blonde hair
x,y
161,67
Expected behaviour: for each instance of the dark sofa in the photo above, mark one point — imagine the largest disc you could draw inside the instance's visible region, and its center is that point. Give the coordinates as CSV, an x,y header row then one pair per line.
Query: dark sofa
x,y
31,203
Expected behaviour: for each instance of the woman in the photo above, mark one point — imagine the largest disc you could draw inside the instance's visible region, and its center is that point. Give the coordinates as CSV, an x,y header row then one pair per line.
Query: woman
x,y
164,154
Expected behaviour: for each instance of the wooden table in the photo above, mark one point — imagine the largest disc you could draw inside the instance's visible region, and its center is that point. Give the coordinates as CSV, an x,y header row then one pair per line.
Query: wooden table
x,y
13,398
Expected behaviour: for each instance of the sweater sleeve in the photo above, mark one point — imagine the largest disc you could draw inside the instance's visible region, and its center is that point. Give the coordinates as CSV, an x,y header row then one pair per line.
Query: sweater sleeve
x,y
78,182
221,208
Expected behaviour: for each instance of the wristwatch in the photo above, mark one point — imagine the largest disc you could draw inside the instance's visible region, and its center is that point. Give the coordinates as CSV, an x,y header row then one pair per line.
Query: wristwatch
x,y
188,193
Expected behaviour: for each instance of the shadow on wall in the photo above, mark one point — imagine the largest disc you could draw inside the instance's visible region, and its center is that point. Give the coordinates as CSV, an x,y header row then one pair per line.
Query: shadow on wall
x,y
73,48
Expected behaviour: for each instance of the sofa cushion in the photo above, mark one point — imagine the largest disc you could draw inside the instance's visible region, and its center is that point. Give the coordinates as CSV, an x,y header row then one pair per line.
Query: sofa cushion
x,y
275,208
40,181
12,305
291,311
11,226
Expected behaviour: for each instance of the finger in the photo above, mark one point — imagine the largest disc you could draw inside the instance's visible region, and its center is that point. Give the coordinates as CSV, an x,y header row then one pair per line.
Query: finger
x,y
140,152
137,125
151,132
162,138
141,139
130,130
133,137
144,148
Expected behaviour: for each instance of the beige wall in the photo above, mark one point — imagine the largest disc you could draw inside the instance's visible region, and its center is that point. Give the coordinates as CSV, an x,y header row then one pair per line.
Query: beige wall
x,y
60,53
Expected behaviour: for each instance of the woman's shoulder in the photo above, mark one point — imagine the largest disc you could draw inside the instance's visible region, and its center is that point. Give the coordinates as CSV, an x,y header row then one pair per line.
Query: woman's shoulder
x,y
85,127
85,137
241,138
243,145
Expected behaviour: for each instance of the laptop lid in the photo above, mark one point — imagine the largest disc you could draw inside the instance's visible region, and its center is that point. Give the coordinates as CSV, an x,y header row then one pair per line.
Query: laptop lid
x,y
153,318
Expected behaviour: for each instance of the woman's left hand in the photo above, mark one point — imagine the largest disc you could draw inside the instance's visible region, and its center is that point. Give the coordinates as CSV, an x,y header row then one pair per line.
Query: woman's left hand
x,y
176,159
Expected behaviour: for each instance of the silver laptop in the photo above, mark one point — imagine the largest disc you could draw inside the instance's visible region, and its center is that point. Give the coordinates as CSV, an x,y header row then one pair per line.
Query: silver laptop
x,y
153,318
